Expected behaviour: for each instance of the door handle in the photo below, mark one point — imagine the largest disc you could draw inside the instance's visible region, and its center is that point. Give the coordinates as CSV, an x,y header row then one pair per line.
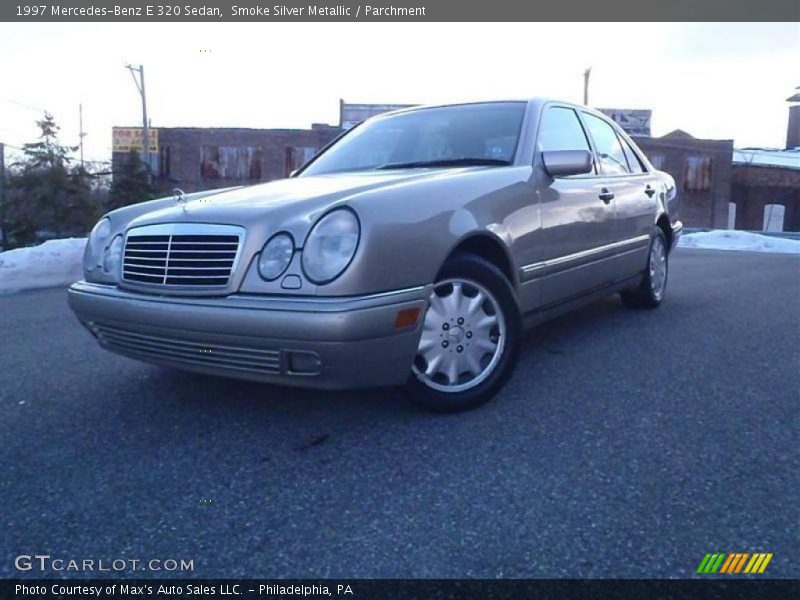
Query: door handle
x,y
606,195
649,190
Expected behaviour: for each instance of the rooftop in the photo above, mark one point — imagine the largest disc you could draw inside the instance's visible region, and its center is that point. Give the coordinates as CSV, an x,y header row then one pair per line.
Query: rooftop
x,y
768,157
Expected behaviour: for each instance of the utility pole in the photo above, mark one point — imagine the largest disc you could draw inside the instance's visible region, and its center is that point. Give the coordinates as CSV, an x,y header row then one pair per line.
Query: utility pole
x,y
81,132
586,74
4,238
145,127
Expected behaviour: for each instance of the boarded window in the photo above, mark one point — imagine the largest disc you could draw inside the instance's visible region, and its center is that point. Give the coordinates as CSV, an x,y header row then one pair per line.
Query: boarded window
x,y
230,162
297,156
697,174
657,160
164,158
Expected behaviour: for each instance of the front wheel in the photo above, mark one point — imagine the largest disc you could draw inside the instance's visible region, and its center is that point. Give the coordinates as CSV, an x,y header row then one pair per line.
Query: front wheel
x,y
470,337
651,290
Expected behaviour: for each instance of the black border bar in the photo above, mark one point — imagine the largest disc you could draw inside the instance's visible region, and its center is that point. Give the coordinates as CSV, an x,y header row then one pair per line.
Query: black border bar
x,y
397,589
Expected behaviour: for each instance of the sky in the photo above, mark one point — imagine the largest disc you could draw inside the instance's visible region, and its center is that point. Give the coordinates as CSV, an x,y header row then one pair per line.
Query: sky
x,y
719,81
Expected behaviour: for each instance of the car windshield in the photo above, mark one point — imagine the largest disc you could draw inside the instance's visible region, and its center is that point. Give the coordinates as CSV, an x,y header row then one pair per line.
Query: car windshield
x,y
449,136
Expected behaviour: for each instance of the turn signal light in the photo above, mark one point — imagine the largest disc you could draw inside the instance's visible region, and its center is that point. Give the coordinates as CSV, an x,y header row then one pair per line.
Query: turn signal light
x,y
406,318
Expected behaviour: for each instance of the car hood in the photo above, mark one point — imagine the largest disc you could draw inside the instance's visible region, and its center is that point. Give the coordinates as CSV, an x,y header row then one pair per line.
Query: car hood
x,y
286,203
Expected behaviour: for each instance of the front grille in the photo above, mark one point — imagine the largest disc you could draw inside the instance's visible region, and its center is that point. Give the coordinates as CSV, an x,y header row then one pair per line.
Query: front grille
x,y
179,259
187,352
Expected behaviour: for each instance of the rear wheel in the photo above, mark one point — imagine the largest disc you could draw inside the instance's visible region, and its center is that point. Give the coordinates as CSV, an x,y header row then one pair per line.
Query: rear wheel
x,y
470,337
651,290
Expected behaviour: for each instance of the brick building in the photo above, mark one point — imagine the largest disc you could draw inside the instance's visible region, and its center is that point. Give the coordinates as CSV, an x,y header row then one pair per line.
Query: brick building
x,y
765,188
702,173
194,158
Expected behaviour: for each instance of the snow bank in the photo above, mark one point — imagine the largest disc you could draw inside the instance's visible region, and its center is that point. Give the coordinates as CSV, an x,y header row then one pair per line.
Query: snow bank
x,y
54,263
723,239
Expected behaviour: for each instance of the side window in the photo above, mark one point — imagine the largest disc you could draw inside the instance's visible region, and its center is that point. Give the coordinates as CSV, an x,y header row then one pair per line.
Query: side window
x,y
634,162
609,149
560,129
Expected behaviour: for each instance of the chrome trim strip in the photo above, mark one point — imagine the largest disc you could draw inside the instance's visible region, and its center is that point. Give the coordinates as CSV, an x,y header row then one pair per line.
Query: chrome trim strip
x,y
531,271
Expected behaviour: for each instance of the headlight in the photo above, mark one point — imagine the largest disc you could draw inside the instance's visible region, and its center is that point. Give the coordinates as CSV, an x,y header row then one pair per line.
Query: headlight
x,y
276,256
113,256
97,240
331,246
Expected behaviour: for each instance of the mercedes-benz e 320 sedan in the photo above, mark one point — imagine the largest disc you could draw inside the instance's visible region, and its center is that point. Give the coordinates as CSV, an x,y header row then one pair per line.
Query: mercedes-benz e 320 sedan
x,y
414,250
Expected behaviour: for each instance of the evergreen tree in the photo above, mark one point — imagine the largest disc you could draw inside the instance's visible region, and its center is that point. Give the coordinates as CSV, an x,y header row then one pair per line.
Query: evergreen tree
x,y
131,183
48,198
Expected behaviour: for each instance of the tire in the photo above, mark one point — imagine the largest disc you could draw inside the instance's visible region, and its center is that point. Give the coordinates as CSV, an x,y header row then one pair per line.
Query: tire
x,y
653,286
469,344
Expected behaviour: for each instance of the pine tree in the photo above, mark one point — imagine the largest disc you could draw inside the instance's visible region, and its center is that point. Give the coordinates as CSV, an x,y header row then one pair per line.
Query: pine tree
x,y
47,196
47,153
131,183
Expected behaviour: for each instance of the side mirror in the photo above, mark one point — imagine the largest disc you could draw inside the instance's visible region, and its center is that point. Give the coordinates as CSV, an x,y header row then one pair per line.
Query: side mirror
x,y
560,163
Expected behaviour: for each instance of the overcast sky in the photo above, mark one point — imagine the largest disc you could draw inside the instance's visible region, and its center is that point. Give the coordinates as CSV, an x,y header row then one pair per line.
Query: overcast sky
x,y
713,80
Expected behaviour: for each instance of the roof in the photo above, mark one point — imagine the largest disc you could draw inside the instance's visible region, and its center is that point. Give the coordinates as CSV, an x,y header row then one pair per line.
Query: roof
x,y
767,157
678,134
537,101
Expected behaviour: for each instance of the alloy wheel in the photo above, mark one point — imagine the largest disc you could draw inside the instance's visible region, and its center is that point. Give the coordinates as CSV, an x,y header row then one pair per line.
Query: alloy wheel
x,y
658,267
463,336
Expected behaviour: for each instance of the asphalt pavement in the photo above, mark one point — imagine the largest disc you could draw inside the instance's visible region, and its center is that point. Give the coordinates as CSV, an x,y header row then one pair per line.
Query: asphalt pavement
x,y
627,444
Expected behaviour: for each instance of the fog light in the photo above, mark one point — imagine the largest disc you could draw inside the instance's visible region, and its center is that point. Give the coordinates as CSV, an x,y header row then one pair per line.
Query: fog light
x,y
306,363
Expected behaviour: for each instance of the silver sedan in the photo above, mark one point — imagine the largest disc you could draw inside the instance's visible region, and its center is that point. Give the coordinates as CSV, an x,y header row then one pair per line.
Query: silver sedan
x,y
415,250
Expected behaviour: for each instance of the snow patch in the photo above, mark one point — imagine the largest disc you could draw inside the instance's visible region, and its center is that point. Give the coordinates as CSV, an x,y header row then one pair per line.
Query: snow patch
x,y
52,264
723,239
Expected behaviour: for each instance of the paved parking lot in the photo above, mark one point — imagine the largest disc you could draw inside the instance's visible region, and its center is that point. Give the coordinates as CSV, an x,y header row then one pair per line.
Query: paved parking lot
x,y
627,444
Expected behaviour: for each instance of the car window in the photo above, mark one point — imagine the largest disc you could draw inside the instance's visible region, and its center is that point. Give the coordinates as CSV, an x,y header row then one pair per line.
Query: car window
x,y
634,162
608,147
560,129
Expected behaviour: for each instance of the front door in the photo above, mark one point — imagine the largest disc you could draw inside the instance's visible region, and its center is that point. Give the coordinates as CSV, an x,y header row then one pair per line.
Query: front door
x,y
577,217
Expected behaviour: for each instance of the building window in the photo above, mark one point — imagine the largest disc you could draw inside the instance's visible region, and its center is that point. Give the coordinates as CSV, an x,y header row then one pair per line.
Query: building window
x,y
657,160
230,162
697,173
773,217
297,156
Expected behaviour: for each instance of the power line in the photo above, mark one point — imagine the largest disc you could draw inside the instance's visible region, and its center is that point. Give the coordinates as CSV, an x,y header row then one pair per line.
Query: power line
x,y
23,104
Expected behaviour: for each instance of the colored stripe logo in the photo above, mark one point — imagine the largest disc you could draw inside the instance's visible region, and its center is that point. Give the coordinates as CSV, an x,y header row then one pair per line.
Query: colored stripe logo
x,y
737,562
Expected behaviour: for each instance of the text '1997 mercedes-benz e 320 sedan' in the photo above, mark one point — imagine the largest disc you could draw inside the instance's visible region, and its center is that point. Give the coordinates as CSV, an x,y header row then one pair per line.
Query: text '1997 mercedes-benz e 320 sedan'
x,y
413,250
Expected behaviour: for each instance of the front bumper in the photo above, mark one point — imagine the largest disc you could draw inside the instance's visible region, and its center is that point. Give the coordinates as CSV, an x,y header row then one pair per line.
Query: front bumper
x,y
256,337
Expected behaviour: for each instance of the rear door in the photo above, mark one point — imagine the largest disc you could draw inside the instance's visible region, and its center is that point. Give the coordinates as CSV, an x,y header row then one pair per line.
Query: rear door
x,y
576,224
636,216
633,190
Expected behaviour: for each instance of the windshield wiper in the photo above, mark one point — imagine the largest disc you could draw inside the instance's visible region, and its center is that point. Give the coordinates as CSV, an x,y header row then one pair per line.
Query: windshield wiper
x,y
446,162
